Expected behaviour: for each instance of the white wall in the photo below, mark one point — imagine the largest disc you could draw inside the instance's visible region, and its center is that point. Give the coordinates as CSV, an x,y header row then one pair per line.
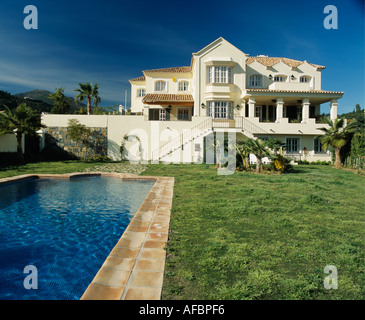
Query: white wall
x,y
136,102
223,53
8,143
282,68
61,120
151,133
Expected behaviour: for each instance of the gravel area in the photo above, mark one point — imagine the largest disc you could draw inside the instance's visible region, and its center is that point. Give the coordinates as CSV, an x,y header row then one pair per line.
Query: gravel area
x,y
120,167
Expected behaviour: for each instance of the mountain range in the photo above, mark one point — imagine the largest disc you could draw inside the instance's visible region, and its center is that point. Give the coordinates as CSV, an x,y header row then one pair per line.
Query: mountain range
x,y
37,99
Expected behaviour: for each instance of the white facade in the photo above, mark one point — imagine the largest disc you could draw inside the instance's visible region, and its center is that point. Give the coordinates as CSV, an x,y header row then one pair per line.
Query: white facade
x,y
252,96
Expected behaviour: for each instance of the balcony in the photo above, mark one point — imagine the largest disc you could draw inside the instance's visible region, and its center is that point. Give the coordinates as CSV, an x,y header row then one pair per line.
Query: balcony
x,y
171,113
252,126
286,127
219,91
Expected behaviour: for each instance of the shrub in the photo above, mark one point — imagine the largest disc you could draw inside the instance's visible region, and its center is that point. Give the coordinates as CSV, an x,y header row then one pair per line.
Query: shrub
x,y
281,163
319,162
99,158
302,162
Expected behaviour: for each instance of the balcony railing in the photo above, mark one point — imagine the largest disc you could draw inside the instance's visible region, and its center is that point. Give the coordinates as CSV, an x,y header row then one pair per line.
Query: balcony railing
x,y
238,123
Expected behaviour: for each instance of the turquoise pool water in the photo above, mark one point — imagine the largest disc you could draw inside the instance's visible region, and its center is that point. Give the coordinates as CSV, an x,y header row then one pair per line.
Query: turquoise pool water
x,y
65,228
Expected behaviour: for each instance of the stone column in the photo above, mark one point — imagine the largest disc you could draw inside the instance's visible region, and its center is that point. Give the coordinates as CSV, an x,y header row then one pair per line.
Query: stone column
x,y
333,114
279,109
305,110
251,107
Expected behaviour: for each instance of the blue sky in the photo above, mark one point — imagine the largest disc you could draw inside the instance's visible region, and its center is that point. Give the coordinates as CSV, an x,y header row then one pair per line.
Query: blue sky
x,y
111,41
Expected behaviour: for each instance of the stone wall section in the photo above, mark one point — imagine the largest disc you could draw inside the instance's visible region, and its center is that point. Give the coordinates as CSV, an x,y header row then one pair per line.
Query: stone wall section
x,y
95,146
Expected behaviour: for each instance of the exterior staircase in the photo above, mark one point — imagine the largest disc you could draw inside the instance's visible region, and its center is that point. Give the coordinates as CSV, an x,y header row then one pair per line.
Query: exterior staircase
x,y
248,128
201,129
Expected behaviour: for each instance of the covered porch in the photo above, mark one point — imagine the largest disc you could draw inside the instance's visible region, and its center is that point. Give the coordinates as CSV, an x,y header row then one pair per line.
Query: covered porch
x,y
288,106
168,107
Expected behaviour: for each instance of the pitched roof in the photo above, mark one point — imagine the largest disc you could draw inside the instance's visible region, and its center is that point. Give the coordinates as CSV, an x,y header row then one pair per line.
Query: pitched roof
x,y
266,61
143,78
163,70
270,61
167,98
170,70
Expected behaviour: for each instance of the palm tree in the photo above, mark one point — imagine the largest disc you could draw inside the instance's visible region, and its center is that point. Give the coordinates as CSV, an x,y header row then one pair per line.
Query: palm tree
x,y
89,92
243,149
95,95
21,121
337,135
275,144
259,148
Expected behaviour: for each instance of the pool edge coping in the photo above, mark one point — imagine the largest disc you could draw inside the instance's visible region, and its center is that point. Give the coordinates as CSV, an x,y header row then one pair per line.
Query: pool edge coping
x,y
134,268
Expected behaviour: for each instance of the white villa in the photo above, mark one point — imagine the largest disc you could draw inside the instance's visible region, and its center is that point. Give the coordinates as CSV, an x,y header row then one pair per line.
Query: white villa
x,y
226,89
174,110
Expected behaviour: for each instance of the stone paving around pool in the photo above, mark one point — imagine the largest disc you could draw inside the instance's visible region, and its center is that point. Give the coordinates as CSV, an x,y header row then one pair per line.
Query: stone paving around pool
x,y
135,266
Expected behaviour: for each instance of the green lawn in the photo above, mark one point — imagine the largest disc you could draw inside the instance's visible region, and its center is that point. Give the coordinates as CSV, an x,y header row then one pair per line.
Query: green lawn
x,y
248,236
58,167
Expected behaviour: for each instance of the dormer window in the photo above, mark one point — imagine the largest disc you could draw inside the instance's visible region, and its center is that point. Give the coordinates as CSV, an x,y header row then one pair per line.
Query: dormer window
x,y
304,79
279,78
219,74
255,80
183,86
141,93
160,85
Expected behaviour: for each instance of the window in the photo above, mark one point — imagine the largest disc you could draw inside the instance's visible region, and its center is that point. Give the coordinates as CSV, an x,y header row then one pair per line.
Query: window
x,y
141,92
183,114
280,78
258,112
304,79
160,85
218,74
255,81
292,144
220,109
162,114
318,148
183,86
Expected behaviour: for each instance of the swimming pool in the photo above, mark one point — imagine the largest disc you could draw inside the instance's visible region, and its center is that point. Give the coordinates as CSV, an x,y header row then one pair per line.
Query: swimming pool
x,y
65,228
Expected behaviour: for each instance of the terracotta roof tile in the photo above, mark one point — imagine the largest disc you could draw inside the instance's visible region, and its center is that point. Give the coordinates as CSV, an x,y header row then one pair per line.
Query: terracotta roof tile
x,y
270,61
143,78
167,98
170,70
